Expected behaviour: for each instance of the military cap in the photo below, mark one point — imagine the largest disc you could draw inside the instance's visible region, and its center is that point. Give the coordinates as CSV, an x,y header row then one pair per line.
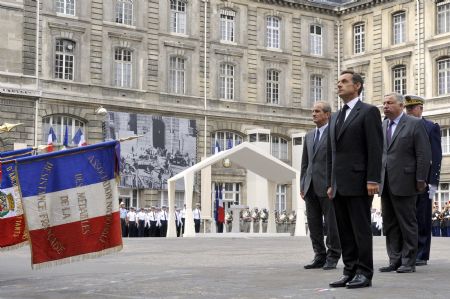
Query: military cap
x,y
412,100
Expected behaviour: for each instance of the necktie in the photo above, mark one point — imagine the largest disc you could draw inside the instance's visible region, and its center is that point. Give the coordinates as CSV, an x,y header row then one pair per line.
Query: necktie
x,y
316,139
341,119
389,132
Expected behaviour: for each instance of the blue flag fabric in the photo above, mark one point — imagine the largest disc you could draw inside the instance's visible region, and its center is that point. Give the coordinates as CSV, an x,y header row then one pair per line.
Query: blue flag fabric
x,y
66,136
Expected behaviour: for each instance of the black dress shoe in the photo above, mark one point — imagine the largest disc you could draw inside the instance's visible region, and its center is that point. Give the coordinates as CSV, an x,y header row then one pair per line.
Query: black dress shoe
x,y
341,282
359,281
329,265
389,268
421,262
406,269
315,264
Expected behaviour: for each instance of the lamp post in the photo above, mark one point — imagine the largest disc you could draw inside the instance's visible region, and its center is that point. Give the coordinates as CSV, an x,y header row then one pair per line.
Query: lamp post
x,y
102,112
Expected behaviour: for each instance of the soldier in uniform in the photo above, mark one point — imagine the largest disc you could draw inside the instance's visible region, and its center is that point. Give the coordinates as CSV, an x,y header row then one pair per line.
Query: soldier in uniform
x,y
436,223
131,220
197,217
446,220
163,220
414,107
153,218
123,219
141,222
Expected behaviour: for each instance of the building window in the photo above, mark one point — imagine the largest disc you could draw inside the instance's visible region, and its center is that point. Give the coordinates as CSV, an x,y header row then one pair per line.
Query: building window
x,y
315,40
226,81
445,140
316,88
279,148
66,7
443,17
273,32
232,194
399,79
273,87
443,76
280,200
177,75
124,12
61,123
178,16
179,199
64,59
227,25
359,38
123,67
398,27
223,140
442,195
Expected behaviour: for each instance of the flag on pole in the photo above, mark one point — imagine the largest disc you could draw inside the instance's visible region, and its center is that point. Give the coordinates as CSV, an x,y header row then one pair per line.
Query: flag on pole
x,y
71,203
229,143
12,222
66,137
50,140
217,148
216,202
220,207
79,139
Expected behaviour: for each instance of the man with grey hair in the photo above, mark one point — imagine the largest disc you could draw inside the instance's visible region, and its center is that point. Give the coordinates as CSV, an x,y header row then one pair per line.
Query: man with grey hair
x,y
313,189
405,165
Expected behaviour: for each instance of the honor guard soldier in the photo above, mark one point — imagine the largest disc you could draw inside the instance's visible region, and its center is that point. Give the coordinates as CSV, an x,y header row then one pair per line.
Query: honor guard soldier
x,y
197,217
131,219
163,221
178,223
147,223
152,217
123,219
141,222
436,223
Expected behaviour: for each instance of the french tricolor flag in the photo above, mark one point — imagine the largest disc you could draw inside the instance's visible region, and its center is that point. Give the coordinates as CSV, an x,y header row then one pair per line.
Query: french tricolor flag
x,y
219,214
79,139
50,140
12,221
71,203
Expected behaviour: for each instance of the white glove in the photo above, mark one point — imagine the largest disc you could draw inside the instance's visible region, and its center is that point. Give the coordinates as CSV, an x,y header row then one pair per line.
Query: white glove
x,y
431,191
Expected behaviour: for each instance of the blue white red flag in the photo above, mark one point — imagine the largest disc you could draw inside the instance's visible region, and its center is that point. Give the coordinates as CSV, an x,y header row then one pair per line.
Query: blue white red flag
x,y
229,143
79,139
12,222
66,137
50,140
71,203
219,212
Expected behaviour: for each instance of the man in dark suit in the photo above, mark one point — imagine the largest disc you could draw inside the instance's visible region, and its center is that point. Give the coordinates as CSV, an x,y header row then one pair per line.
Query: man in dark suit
x,y
313,189
414,107
355,142
406,162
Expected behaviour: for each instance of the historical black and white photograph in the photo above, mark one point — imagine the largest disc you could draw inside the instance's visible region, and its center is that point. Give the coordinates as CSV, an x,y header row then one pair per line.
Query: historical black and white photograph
x,y
165,147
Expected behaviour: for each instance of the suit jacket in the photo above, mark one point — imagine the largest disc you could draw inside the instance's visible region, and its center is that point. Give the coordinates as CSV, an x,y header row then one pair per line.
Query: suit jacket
x,y
314,164
434,135
354,156
407,159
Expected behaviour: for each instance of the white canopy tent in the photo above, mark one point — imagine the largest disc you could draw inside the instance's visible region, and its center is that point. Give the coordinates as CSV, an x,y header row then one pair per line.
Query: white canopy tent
x,y
249,157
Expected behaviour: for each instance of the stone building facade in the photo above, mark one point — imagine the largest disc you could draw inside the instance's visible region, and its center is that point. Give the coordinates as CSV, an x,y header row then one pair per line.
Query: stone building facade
x,y
242,69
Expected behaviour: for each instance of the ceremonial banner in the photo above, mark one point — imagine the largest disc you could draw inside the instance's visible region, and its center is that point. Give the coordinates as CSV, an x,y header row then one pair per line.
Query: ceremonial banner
x,y
12,222
71,203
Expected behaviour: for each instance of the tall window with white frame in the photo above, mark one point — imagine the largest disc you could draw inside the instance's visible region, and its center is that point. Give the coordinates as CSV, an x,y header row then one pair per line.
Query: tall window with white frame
x,y
66,7
64,59
399,79
443,17
273,87
443,67
123,66
59,123
177,74
315,39
445,140
273,32
398,27
178,16
442,195
316,88
124,12
279,147
359,38
227,25
226,84
280,200
224,140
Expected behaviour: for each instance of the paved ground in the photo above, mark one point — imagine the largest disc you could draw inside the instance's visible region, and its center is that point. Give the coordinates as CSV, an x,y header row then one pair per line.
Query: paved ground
x,y
215,268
